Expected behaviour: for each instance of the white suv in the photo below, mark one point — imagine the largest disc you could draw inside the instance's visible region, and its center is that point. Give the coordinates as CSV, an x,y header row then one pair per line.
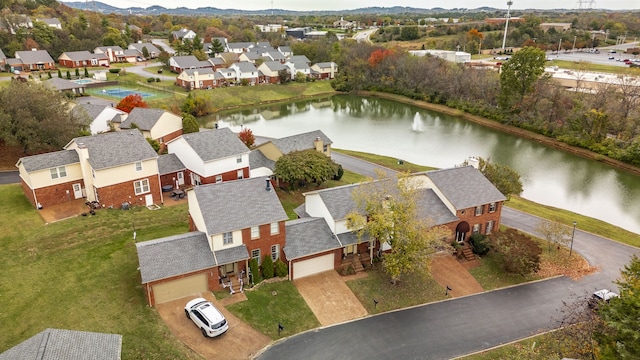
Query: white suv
x,y
599,296
206,317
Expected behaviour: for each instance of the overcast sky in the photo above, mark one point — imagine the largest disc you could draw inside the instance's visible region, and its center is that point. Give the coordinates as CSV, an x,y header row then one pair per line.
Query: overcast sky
x,y
300,5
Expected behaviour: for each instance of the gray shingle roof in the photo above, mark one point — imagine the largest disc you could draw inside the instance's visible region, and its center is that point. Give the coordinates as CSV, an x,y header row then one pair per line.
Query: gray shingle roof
x,y
238,204
201,71
300,142
150,47
246,67
339,200
54,344
90,110
34,57
308,236
231,255
215,144
49,160
61,84
144,118
258,160
431,207
169,163
351,238
302,58
79,55
190,61
118,148
465,187
274,65
174,255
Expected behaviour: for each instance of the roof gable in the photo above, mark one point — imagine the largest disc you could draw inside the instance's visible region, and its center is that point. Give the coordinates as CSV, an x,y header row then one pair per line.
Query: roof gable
x,y
300,142
144,118
238,204
49,160
174,255
465,187
215,144
118,148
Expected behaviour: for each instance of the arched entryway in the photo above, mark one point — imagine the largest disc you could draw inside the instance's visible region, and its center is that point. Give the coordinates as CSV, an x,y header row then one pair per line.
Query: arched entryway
x,y
461,231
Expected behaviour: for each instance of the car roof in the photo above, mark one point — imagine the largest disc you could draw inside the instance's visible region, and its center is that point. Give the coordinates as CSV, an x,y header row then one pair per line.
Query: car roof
x,y
207,309
605,294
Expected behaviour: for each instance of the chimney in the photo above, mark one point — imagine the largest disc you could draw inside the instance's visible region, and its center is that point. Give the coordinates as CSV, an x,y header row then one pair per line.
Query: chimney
x,y
474,161
268,188
318,144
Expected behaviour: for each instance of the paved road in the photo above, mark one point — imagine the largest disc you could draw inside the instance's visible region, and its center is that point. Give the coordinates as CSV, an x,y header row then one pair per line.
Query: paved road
x,y
9,177
461,326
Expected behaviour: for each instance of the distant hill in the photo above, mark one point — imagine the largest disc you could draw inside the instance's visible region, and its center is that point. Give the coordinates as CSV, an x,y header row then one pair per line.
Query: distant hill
x,y
98,6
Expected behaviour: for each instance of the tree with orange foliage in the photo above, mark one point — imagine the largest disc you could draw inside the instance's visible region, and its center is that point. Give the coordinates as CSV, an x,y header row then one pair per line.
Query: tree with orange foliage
x,y
131,101
474,34
246,136
378,55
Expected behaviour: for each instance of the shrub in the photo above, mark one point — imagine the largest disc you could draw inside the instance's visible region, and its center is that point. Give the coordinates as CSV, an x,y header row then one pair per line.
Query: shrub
x,y
255,271
339,173
150,80
115,71
267,267
281,268
479,244
157,79
517,252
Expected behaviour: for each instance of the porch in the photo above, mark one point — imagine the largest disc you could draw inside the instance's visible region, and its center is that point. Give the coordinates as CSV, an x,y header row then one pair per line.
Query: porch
x,y
354,263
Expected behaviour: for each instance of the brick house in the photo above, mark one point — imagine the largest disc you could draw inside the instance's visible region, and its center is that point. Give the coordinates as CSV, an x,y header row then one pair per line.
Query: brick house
x,y
211,156
80,59
35,60
461,199
156,124
110,168
230,224
324,70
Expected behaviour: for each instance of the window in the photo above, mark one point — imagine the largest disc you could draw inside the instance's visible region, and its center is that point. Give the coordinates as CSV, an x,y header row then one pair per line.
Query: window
x,y
238,159
275,252
489,227
218,178
227,238
240,174
325,147
58,172
141,186
255,232
275,228
492,207
255,254
478,210
476,228
139,166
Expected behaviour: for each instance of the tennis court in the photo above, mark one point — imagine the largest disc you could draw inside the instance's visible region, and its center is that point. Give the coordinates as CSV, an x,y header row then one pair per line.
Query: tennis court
x,y
120,92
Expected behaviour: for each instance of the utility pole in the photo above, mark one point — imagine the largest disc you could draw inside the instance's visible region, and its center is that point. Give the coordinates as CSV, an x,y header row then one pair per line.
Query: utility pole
x,y
574,44
506,24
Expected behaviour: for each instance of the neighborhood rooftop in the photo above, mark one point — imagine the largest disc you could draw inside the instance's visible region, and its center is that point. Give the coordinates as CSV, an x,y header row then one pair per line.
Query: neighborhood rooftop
x,y
215,144
116,148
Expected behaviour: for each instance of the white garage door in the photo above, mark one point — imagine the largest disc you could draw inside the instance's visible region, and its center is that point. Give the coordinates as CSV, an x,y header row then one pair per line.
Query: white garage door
x,y
312,266
177,289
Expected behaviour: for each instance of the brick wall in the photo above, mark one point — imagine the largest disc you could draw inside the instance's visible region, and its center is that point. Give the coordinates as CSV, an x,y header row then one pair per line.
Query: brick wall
x,y
115,195
470,217
52,195
227,176
265,240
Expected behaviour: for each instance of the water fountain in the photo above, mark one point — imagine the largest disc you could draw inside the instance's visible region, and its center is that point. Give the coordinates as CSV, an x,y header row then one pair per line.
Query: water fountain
x,y
418,123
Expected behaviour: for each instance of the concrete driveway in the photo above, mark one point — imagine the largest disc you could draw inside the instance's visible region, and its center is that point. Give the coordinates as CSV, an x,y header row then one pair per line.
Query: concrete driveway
x,y
241,341
330,299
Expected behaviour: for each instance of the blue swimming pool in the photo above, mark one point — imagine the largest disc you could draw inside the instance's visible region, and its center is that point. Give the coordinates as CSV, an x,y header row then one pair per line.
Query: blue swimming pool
x,y
83,81
125,92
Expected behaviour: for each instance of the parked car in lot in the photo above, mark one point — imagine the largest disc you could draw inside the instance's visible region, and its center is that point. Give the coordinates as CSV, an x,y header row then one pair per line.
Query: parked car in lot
x,y
206,317
600,296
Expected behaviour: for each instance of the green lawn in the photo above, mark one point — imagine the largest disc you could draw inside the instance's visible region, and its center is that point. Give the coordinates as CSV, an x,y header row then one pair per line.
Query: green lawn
x,y
409,291
81,274
274,303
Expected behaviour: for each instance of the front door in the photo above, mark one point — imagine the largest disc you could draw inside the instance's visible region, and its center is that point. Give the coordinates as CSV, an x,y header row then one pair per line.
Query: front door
x,y
180,178
350,249
77,191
